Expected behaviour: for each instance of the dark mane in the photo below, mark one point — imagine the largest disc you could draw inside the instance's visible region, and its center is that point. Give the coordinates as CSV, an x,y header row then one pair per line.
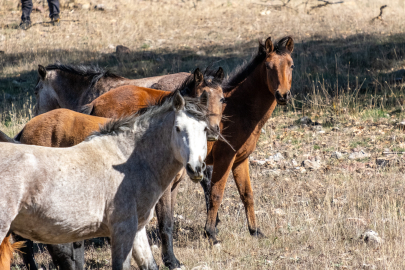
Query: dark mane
x,y
192,107
243,71
188,83
94,72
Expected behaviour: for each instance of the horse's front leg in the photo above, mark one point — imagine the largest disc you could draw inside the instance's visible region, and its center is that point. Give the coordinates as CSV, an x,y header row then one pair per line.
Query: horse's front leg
x,y
142,253
222,167
122,239
164,212
206,185
242,179
68,256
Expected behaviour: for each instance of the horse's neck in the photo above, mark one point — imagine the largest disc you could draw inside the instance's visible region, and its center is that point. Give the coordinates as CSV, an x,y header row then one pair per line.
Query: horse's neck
x,y
69,90
254,98
153,155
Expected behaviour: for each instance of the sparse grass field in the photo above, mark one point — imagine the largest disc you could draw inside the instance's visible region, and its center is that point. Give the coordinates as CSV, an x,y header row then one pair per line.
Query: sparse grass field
x,y
349,77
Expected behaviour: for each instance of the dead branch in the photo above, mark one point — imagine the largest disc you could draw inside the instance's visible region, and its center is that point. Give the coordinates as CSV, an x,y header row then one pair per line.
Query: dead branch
x,y
325,3
379,17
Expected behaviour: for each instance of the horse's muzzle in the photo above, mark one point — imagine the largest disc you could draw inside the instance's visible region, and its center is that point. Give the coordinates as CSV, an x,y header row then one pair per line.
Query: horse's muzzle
x,y
196,174
212,138
282,99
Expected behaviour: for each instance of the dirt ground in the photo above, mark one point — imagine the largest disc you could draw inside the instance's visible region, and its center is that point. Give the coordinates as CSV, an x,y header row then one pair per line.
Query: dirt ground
x,y
328,168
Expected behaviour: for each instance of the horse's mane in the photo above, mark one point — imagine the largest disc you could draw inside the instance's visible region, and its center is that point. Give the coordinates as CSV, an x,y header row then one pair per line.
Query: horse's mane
x,y
243,71
209,81
94,72
192,107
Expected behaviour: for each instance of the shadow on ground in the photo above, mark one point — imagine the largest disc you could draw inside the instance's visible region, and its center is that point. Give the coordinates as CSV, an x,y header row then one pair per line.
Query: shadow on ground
x,y
357,63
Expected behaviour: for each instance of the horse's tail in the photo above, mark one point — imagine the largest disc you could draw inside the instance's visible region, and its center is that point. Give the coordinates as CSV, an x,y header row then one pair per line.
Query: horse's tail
x,y
5,138
87,109
6,252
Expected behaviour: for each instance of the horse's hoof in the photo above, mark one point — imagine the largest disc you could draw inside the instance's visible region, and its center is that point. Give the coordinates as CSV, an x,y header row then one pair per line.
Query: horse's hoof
x,y
257,233
217,245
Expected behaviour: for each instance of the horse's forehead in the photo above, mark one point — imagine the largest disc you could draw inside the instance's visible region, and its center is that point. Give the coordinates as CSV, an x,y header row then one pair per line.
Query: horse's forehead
x,y
185,119
212,90
279,59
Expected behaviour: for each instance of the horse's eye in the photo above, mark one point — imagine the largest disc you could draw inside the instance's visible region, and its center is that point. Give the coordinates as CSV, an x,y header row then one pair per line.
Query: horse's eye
x,y
36,93
177,129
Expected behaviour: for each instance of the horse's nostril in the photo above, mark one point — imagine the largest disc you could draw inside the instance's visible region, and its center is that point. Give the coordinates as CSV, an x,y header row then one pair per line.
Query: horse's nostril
x,y
198,169
217,128
189,168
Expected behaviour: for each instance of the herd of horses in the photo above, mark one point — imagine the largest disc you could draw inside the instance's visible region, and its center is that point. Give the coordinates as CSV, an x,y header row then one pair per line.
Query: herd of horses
x,y
104,151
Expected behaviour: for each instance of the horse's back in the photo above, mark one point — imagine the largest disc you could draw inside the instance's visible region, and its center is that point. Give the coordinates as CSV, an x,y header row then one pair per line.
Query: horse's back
x,y
125,100
60,128
168,82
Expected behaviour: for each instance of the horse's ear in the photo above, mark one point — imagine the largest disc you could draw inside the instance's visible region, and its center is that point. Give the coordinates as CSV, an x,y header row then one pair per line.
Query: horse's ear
x,y
178,102
198,77
41,72
289,45
204,98
219,76
269,45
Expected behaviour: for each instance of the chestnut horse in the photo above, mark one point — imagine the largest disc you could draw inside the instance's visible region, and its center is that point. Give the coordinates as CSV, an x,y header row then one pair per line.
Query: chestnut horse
x,y
126,100
60,128
71,87
251,95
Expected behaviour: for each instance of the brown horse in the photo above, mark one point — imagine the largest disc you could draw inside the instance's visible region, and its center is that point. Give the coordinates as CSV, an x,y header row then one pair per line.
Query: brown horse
x,y
71,87
251,95
60,128
128,99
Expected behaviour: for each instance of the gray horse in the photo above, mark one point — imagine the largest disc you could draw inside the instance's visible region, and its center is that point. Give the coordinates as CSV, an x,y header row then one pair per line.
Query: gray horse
x,y
106,186
71,87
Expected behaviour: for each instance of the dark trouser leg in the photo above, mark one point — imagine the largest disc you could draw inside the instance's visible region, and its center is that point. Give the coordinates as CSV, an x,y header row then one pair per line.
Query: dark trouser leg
x,y
53,7
27,252
206,185
68,256
26,6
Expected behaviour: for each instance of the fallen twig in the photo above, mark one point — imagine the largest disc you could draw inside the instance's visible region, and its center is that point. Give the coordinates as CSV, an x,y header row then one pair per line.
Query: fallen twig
x,y
326,3
379,17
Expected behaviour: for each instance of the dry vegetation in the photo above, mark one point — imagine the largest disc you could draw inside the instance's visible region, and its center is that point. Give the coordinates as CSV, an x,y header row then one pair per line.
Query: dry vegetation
x,y
348,77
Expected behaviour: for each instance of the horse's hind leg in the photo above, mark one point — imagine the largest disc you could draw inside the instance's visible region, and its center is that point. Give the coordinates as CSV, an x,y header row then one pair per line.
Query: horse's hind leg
x,y
68,256
142,253
27,252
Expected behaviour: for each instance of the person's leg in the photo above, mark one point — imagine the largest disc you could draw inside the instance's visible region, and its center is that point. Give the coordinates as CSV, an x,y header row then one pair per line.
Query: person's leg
x,y
53,9
26,6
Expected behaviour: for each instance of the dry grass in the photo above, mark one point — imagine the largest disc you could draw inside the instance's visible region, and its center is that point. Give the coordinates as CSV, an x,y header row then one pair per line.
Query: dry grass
x,y
348,75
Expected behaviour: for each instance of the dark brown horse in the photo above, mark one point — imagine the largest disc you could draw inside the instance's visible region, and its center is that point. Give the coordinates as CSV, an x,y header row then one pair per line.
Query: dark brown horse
x,y
251,95
71,87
